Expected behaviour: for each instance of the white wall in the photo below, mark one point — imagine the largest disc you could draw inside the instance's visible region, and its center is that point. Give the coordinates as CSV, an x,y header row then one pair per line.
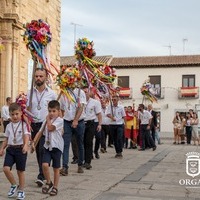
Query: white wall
x,y
171,80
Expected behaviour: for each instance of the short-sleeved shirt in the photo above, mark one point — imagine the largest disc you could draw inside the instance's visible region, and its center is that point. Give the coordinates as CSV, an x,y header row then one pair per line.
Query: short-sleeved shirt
x,y
144,117
54,139
70,107
118,112
10,130
5,113
92,108
105,120
44,98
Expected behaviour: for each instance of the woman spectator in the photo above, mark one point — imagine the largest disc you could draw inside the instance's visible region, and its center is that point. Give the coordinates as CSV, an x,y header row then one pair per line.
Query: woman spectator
x,y
195,122
188,128
177,124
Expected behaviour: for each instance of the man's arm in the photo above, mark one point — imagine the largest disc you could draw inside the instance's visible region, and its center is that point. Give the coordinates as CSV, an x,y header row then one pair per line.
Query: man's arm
x,y
99,116
79,111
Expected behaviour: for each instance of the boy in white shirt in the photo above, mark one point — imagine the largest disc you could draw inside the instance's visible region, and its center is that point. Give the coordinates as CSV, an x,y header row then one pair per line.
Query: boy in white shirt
x,y
53,146
17,139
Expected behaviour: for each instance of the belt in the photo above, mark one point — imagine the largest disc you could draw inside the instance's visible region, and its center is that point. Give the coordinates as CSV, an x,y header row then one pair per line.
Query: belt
x,y
73,120
36,123
16,146
89,121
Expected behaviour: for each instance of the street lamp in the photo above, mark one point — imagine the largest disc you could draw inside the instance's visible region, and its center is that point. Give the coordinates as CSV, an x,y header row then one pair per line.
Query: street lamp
x,y
75,24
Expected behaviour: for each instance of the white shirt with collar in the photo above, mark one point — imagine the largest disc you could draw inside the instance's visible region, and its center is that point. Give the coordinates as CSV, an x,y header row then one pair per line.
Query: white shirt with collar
x,y
118,112
11,128
105,120
5,113
54,138
44,97
92,108
69,108
144,116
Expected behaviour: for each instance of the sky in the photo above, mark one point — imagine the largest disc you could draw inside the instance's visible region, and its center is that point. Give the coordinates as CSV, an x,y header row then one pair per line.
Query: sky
x,y
132,28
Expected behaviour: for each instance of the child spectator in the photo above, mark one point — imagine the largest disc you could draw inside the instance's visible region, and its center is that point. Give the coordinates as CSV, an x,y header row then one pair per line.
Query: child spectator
x,y
17,139
53,146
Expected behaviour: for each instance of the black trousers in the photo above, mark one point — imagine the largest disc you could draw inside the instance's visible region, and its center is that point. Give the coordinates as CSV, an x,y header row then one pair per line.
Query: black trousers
x,y
147,139
88,140
188,130
39,148
105,133
74,147
5,123
97,138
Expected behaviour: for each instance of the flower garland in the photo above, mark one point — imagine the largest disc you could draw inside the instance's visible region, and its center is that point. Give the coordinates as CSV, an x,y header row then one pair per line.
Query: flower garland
x,y
37,36
27,116
67,79
95,74
147,91
84,47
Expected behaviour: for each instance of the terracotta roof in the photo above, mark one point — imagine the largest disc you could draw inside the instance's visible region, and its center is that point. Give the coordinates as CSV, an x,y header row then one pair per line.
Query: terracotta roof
x,y
156,61
70,60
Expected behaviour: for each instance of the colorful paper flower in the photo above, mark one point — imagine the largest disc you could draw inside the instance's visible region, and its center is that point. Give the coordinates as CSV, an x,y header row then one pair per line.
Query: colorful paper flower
x,y
147,91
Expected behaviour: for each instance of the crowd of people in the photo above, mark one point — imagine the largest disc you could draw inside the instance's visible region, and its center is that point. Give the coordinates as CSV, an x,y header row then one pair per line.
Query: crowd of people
x,y
186,128
57,124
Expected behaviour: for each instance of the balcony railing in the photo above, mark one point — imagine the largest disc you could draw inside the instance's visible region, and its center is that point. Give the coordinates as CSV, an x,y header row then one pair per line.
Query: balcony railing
x,y
188,92
159,92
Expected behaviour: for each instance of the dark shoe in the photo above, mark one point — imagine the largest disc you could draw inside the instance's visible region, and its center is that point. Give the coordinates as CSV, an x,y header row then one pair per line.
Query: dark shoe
x,y
87,166
80,169
54,191
39,182
141,149
103,150
74,162
119,155
64,171
135,147
174,142
154,148
182,142
110,145
47,188
97,156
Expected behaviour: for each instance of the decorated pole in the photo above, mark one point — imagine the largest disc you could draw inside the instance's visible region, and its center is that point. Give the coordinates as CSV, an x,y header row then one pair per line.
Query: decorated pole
x,y
37,36
32,83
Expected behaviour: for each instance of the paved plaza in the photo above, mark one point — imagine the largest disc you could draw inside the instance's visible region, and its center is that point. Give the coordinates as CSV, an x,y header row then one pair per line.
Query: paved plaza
x,y
140,175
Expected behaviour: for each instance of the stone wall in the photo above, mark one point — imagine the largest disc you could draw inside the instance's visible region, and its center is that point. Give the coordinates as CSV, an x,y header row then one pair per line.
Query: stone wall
x,y
15,57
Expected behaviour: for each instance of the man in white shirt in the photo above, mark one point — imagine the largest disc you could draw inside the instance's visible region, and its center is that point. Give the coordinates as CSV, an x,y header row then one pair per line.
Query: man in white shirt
x,y
73,124
5,116
117,115
37,104
145,118
92,110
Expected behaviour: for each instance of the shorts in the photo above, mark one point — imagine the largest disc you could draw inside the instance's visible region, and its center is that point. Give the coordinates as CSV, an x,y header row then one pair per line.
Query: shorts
x,y
54,156
15,155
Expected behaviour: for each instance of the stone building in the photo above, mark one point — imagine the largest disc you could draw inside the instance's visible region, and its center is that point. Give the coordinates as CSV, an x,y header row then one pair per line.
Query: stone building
x,y
15,59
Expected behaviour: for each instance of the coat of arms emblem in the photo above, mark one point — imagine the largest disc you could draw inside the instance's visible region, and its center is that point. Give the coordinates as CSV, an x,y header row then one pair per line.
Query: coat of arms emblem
x,y
193,164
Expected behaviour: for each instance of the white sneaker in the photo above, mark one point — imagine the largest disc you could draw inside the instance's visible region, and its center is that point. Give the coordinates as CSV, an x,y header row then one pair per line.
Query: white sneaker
x,y
12,191
39,182
20,195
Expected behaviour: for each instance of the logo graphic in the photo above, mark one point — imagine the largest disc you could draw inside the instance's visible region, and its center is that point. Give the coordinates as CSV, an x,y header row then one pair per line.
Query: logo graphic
x,y
193,164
